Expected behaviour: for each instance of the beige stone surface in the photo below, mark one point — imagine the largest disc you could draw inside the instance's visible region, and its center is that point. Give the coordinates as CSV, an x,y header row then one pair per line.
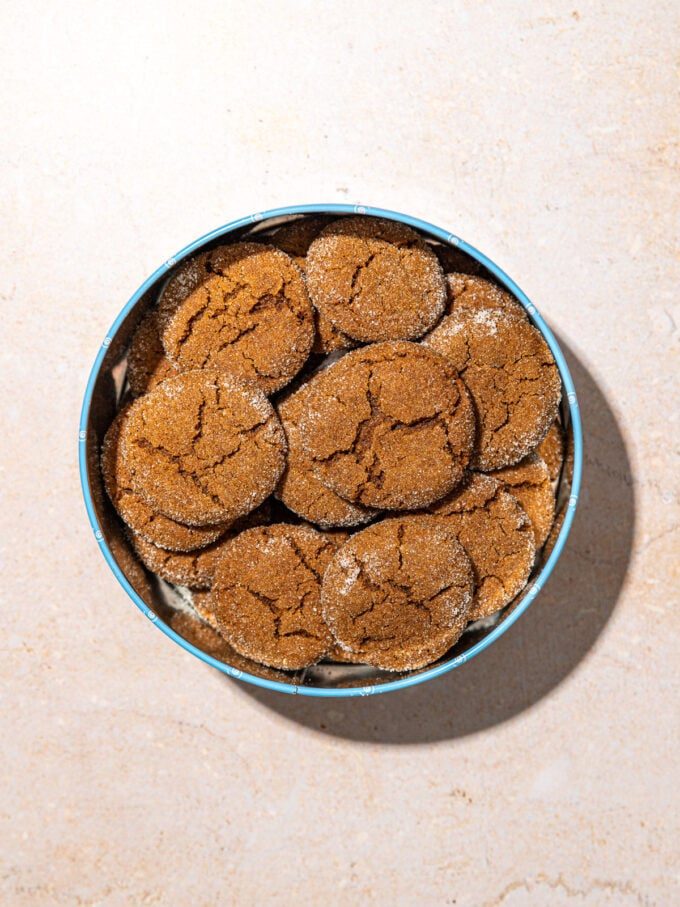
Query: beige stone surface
x,y
543,772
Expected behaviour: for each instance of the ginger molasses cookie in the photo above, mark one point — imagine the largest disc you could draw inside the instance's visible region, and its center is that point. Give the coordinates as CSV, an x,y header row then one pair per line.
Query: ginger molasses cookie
x,y
551,450
133,510
266,595
203,448
529,481
375,279
295,239
251,317
388,426
208,640
299,488
509,370
497,535
476,293
397,594
147,364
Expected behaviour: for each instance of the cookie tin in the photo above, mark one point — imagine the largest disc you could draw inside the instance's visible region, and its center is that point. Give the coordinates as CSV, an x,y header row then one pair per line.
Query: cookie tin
x,y
157,600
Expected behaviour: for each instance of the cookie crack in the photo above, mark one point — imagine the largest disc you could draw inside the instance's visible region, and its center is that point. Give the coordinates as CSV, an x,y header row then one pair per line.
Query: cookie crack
x,y
198,427
299,553
278,613
355,291
209,309
259,371
196,480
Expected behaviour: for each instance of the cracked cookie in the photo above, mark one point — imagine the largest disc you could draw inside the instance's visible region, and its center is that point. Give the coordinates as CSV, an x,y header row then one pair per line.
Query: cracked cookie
x,y
299,488
375,279
295,239
203,448
265,597
495,531
135,512
551,450
508,368
389,426
475,294
529,481
203,605
398,593
249,316
147,364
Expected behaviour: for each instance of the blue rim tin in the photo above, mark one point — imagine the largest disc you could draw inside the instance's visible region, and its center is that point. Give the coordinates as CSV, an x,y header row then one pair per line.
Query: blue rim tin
x,y
447,238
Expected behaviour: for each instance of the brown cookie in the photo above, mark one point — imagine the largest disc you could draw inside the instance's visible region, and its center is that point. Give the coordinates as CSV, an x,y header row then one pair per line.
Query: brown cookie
x,y
133,509
299,488
475,294
251,317
510,372
147,364
266,592
201,599
497,535
203,448
375,279
551,450
529,481
389,426
208,640
398,593
295,239
193,569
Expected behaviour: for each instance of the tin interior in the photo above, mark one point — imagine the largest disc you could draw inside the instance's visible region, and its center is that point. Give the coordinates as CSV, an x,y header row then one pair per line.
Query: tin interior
x,y
110,389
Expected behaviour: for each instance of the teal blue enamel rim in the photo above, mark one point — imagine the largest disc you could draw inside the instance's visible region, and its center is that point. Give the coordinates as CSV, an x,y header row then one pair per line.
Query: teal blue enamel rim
x,y
572,402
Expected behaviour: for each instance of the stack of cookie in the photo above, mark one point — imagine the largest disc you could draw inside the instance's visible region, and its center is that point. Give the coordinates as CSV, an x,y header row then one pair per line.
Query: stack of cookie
x,y
363,506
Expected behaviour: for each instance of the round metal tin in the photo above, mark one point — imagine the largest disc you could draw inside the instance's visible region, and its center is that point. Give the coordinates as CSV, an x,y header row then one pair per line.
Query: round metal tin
x,y
104,384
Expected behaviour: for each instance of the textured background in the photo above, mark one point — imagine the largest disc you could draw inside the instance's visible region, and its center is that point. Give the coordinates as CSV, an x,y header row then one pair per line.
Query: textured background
x,y
540,774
